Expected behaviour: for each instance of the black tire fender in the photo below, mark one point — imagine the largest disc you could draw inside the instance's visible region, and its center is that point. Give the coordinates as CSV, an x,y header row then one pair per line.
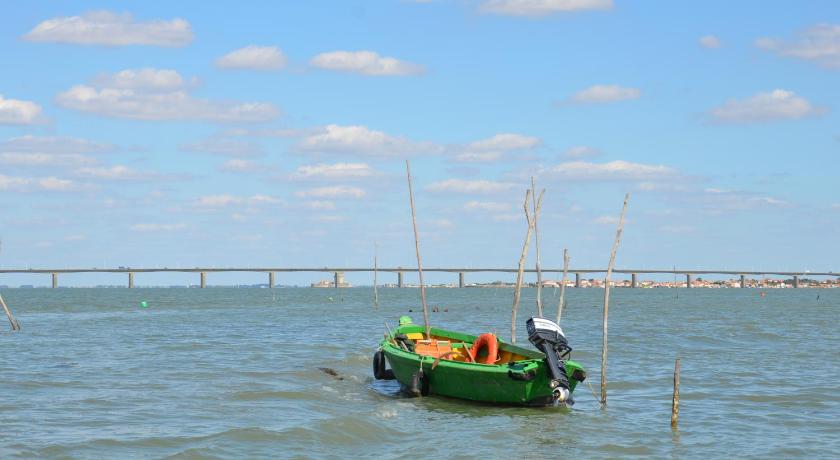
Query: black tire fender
x,y
379,371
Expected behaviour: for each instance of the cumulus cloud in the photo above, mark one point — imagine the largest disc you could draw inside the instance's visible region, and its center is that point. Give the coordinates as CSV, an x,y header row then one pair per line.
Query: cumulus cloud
x,y
363,141
365,63
221,201
40,184
254,58
599,94
158,227
538,8
717,201
45,159
709,41
336,191
238,165
18,112
112,29
469,186
152,94
57,145
778,104
489,206
334,171
612,171
494,148
819,44
225,147
117,173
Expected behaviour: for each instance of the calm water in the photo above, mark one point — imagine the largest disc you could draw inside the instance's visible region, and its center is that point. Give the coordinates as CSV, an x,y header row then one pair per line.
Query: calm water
x,y
233,373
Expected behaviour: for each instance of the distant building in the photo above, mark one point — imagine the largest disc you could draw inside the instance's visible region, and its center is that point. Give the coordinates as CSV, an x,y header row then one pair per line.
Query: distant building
x,y
339,277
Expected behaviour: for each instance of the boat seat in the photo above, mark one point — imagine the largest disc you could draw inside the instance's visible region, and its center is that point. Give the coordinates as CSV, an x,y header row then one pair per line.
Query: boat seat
x,y
433,348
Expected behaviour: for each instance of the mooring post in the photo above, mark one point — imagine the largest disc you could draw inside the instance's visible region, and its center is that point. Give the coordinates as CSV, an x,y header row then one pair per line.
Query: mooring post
x,y
743,281
577,279
130,280
400,279
633,280
796,281
675,402
55,280
688,280
271,280
203,280
461,279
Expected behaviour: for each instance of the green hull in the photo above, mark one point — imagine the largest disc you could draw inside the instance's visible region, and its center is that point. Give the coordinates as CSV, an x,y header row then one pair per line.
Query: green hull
x,y
522,382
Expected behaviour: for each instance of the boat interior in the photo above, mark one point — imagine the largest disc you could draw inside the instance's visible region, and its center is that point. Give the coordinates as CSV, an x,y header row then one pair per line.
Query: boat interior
x,y
454,347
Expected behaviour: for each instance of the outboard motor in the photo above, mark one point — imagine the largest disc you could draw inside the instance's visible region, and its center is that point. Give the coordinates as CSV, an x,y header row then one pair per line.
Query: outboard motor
x,y
547,336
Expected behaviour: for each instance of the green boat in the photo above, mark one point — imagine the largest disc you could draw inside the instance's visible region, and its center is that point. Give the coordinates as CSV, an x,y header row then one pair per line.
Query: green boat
x,y
463,366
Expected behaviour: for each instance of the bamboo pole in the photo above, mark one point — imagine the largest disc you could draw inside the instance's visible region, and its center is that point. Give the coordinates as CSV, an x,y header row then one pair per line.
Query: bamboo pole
x,y
675,402
607,300
417,250
563,285
519,273
537,244
12,320
375,271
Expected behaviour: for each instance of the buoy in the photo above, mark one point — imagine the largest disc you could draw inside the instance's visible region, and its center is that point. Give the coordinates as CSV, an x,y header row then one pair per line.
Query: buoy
x,y
144,304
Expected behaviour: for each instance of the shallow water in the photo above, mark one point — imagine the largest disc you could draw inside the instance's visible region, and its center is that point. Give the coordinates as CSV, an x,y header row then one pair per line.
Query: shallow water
x,y
232,373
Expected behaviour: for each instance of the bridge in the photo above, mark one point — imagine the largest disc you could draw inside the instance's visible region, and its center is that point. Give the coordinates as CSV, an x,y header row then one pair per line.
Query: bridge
x,y
399,271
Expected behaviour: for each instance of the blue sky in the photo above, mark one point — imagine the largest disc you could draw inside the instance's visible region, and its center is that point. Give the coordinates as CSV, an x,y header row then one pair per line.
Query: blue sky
x,y
275,134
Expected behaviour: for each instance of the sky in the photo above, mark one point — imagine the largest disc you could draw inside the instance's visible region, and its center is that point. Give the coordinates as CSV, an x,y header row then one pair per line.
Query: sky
x,y
184,134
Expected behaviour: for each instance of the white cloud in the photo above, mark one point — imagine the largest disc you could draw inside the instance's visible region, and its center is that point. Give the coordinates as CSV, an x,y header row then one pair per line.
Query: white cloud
x,y
254,58
598,94
46,159
117,173
718,201
612,171
606,220
537,8
238,165
225,147
158,227
478,157
334,171
363,141
775,105
150,94
469,186
57,145
320,205
490,206
108,28
40,184
17,112
709,41
220,201
365,63
819,43
336,191
582,151
504,142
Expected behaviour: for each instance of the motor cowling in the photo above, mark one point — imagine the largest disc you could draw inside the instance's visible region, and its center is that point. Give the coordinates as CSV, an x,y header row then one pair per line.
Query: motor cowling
x,y
547,336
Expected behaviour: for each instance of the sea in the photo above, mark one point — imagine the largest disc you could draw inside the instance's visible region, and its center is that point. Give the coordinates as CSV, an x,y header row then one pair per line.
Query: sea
x,y
237,373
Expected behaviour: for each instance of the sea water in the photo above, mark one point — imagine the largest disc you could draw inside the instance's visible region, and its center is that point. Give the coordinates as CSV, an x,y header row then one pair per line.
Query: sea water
x,y
234,373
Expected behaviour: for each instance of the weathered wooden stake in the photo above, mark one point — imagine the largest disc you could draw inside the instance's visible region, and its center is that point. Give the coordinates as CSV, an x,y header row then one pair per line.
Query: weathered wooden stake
x,y
607,301
563,285
417,250
675,402
519,273
375,271
537,244
12,320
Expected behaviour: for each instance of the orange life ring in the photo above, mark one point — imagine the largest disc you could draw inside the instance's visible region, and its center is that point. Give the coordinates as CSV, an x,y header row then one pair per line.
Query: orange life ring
x,y
486,340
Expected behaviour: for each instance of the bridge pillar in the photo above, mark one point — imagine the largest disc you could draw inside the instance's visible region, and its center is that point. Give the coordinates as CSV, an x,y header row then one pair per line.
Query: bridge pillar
x,y
130,280
400,279
577,279
336,280
461,279
271,280
743,281
796,281
203,280
688,280
55,280
633,282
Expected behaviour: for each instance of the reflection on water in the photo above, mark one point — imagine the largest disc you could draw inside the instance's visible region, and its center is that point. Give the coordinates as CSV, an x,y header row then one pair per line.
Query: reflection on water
x,y
236,373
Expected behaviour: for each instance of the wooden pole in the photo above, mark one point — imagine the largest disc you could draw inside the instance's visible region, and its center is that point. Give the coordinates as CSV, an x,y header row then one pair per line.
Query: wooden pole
x,y
607,300
12,320
675,402
563,285
417,250
375,271
519,273
537,244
